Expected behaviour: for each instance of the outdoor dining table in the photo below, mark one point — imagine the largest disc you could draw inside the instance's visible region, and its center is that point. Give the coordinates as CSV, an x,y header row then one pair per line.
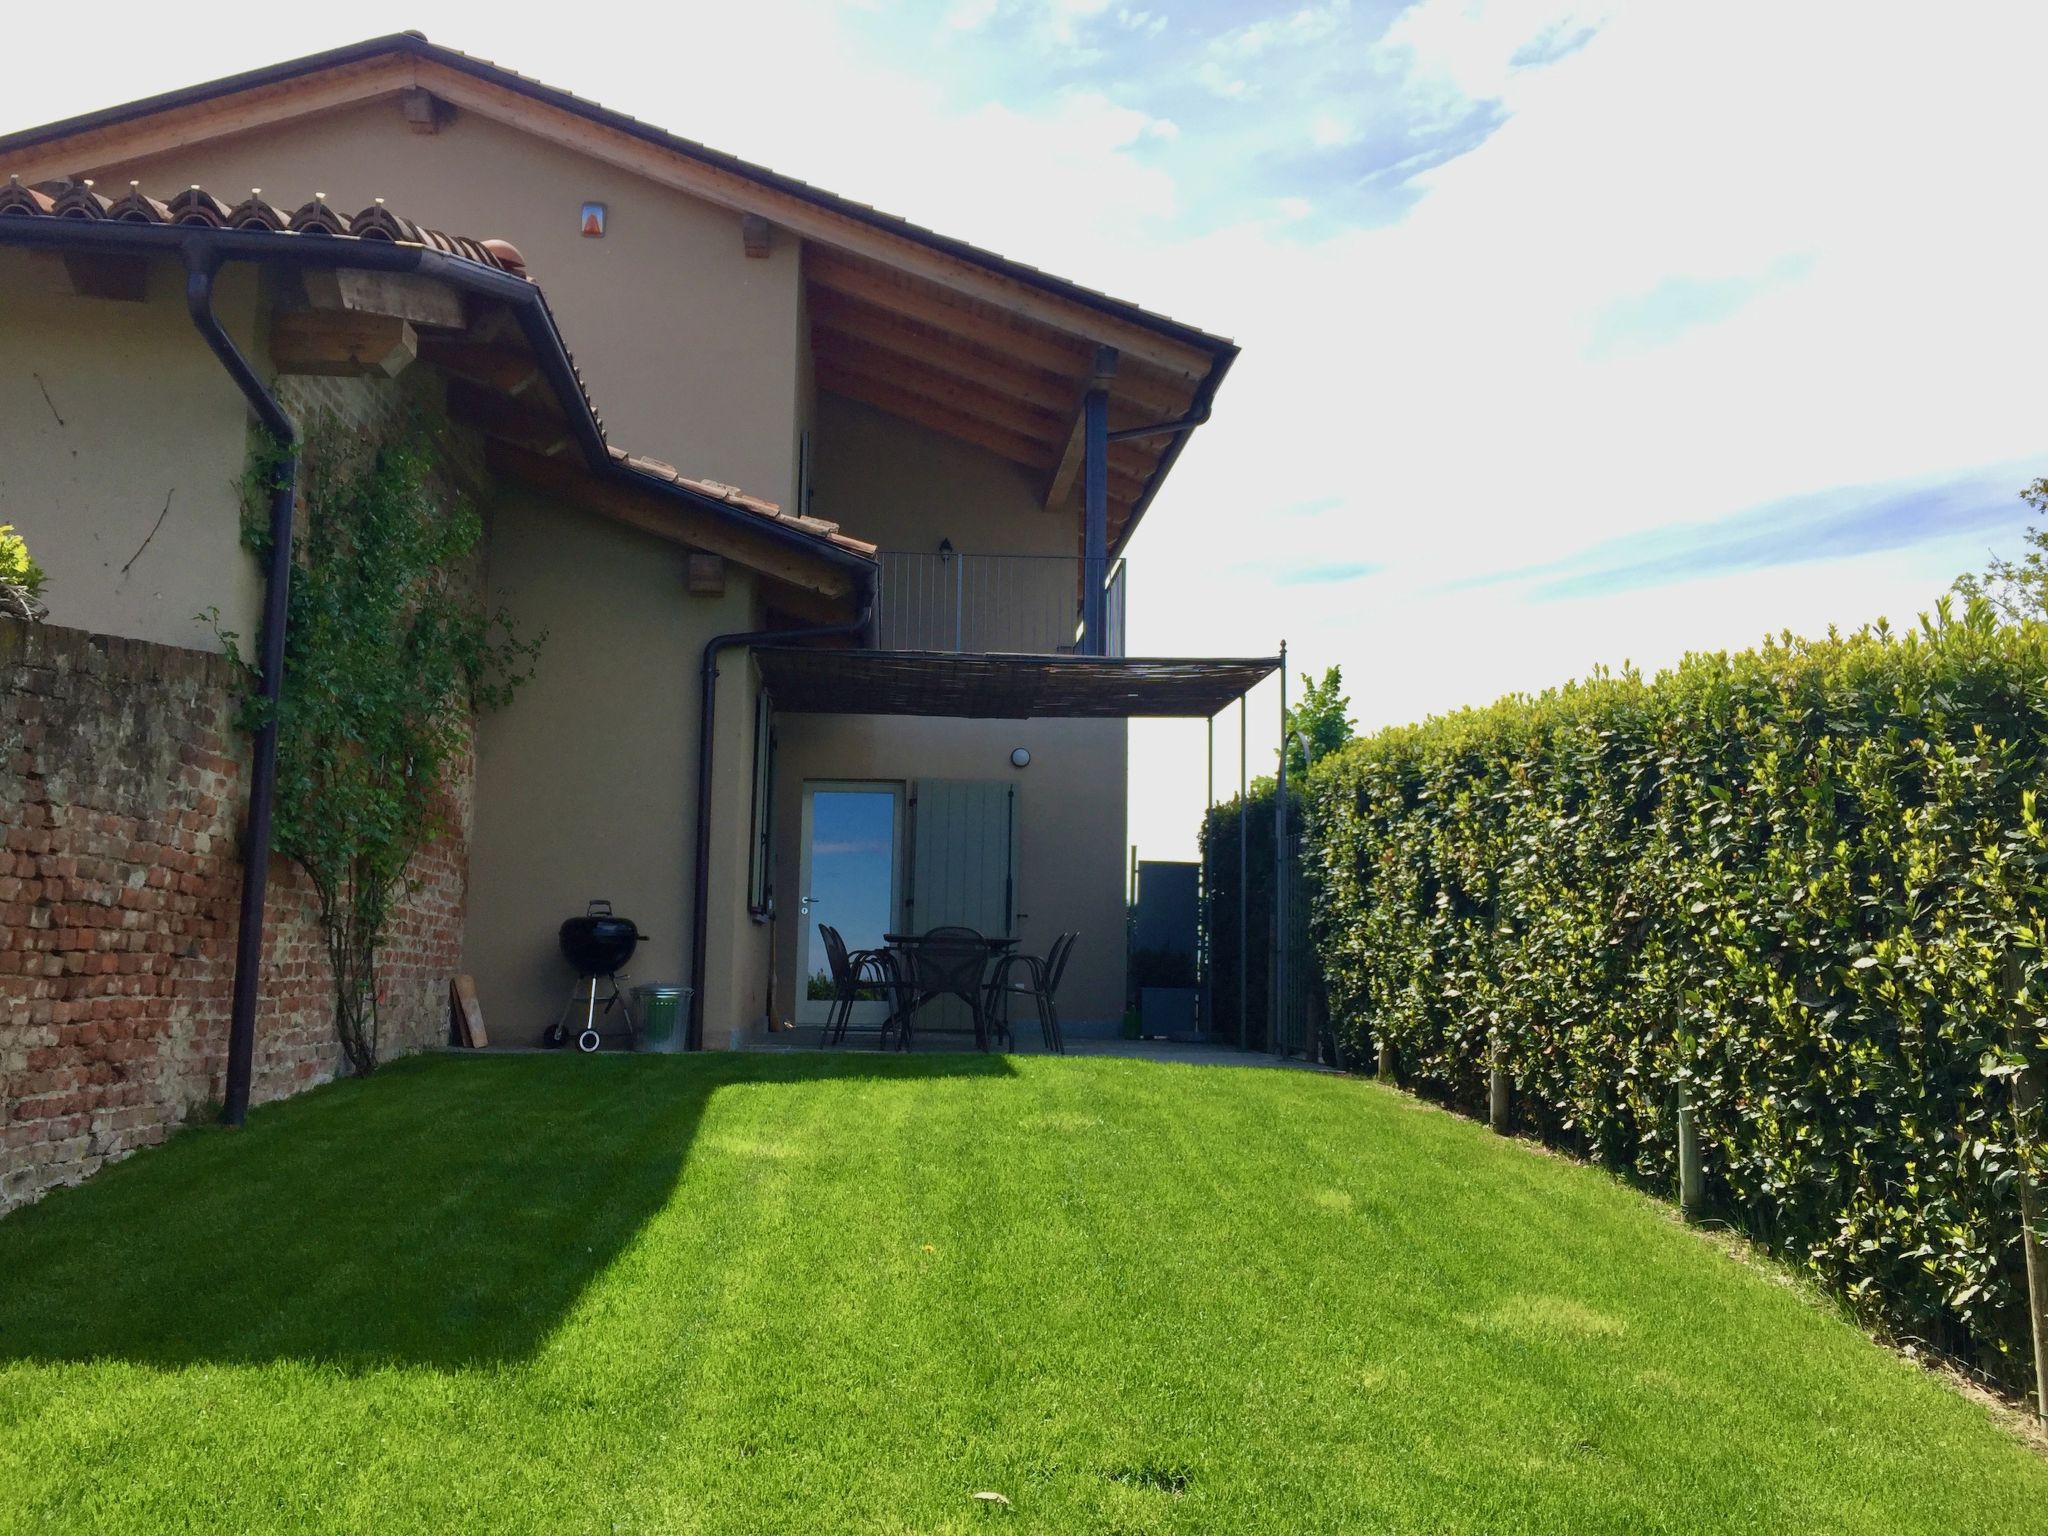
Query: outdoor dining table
x,y
904,943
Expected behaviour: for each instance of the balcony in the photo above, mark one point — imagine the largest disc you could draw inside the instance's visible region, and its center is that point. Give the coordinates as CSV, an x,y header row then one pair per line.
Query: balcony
x,y
1029,604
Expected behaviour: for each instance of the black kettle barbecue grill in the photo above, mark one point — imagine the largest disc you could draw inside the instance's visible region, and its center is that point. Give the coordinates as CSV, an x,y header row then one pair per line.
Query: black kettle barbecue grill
x,y
598,944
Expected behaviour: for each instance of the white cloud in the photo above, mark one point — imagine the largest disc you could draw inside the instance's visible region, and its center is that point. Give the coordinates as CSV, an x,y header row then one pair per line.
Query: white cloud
x,y
1437,379
1309,24
1218,81
1065,18
1330,131
969,15
1472,46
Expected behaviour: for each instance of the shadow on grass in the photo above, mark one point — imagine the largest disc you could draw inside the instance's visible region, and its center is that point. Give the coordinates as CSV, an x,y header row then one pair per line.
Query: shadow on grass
x,y
446,1213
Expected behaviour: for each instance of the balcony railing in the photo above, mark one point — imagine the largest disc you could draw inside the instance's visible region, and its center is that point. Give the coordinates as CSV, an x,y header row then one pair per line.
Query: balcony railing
x,y
1020,603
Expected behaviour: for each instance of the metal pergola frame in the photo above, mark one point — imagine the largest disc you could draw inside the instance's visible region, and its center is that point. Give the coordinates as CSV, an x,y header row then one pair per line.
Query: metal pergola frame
x,y
825,680
1276,947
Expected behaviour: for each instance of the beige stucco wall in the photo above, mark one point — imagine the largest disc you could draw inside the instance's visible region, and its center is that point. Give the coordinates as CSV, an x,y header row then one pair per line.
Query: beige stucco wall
x,y
109,410
1070,827
689,347
906,488
901,486
697,354
736,944
586,785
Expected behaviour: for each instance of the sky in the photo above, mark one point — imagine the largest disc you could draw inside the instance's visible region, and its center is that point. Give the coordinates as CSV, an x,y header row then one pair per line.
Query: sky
x,y
1572,335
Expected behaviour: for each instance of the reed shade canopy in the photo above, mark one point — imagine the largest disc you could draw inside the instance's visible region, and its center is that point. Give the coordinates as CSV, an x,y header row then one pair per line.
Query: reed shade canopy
x,y
996,687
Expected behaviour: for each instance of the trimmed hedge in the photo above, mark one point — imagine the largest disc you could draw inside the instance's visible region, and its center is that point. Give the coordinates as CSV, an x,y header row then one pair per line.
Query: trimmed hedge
x,y
1804,880
1219,862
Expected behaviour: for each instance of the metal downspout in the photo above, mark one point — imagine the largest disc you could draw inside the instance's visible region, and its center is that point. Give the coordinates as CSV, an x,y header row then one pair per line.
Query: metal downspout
x,y
200,266
202,251
861,630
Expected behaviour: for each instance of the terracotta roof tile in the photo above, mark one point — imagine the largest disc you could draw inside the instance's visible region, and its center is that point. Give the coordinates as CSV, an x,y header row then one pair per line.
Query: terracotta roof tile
x,y
195,205
134,208
733,496
78,201
17,199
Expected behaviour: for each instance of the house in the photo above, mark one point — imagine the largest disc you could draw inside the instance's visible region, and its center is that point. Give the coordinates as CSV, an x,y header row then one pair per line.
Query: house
x,y
864,643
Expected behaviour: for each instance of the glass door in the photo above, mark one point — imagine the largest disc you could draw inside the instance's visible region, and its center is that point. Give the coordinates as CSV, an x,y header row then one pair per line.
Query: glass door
x,y
851,868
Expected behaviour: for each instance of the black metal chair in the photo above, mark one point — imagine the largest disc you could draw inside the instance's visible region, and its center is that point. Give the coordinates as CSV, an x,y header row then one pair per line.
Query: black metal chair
x,y
850,972
947,962
1041,983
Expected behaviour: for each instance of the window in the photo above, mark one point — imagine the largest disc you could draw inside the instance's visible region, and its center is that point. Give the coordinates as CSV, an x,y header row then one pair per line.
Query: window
x,y
760,871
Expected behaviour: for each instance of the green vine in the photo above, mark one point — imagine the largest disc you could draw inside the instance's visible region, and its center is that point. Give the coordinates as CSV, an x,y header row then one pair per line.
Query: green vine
x,y
389,656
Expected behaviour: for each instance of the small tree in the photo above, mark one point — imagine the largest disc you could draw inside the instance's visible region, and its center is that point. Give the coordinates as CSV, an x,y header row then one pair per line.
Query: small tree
x,y
17,567
388,656
1323,716
21,579
2018,589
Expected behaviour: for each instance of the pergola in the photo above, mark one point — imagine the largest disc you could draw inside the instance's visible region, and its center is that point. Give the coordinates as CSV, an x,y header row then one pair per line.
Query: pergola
x,y
944,684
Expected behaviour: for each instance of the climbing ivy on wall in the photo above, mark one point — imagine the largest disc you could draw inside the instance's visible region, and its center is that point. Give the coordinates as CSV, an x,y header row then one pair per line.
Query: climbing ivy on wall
x,y
1808,882
389,655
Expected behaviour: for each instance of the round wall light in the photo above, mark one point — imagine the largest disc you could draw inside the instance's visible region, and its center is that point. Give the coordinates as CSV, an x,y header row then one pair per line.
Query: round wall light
x,y
1021,758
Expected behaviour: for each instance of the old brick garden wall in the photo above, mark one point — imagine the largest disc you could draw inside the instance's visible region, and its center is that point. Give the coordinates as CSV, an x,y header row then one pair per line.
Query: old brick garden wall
x,y
120,815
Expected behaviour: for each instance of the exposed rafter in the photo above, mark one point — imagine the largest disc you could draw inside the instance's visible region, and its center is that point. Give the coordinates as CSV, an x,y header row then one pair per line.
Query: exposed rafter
x,y
932,348
942,387
928,304
1029,452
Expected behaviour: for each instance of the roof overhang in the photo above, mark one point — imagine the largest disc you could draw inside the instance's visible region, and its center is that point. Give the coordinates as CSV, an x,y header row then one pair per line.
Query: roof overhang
x,y
932,329
799,554
809,681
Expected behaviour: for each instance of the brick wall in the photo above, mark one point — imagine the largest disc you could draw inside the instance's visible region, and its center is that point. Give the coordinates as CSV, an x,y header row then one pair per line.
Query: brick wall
x,y
120,815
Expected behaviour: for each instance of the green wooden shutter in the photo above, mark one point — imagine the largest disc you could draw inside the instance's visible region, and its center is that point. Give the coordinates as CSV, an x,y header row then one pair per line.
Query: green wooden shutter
x,y
964,855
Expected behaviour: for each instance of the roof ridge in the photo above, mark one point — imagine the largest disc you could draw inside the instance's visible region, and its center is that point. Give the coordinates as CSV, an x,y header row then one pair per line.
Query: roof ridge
x,y
418,45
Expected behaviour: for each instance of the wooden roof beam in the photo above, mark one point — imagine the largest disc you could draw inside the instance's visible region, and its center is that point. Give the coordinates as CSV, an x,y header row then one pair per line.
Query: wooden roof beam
x,y
927,305
919,344
913,407
1102,374
1154,396
498,366
203,121
945,388
402,295
337,344
517,422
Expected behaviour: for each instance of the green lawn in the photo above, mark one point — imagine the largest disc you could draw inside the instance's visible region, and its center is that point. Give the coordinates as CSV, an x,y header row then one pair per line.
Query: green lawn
x,y
785,1293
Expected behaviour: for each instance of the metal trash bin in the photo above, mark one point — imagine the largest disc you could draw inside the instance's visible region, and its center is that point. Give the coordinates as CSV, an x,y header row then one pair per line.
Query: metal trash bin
x,y
662,1010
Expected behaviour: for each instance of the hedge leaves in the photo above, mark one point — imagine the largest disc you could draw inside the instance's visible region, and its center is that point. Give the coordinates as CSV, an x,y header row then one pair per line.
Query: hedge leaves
x,y
1805,881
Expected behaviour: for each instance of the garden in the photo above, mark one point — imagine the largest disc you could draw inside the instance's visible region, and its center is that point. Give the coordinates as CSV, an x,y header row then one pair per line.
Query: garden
x,y
870,1292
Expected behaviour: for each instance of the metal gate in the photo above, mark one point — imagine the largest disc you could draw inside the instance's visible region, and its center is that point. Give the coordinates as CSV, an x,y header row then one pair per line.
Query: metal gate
x,y
1260,981
1292,1008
